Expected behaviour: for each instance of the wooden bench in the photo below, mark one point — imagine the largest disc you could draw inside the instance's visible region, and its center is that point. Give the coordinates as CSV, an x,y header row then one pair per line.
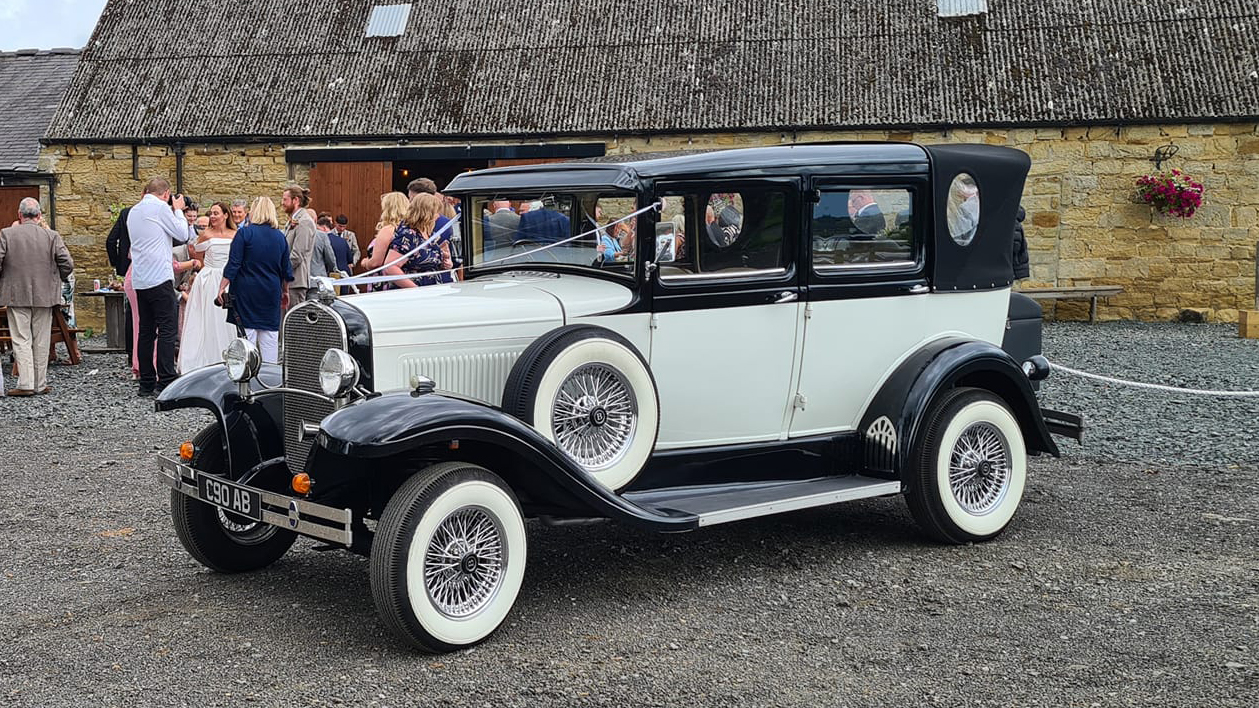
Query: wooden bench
x,y
1074,292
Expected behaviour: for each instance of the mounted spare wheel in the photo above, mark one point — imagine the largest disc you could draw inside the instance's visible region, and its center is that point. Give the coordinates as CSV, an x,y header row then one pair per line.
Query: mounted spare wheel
x,y
590,392
966,478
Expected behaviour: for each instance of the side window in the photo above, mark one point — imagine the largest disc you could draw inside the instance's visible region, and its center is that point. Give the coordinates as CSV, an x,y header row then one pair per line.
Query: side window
x,y
863,226
722,232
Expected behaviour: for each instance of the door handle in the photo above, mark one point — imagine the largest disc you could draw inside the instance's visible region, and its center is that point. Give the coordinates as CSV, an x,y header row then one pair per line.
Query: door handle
x,y
918,289
786,296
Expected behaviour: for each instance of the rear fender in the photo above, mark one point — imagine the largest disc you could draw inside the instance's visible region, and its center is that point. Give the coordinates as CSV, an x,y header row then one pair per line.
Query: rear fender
x,y
907,396
388,436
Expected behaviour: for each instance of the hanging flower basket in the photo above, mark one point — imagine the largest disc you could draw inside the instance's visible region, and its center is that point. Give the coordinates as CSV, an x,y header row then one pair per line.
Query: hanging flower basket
x,y
1173,193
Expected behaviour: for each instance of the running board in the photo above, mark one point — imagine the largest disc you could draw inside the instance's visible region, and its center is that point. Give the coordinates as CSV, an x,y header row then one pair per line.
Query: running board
x,y
725,503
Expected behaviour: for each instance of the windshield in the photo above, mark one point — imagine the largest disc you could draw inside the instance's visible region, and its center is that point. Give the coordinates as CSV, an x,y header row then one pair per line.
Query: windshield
x,y
589,229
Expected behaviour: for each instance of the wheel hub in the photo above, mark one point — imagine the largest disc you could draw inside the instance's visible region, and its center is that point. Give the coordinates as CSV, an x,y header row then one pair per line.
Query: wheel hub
x,y
464,563
979,468
594,416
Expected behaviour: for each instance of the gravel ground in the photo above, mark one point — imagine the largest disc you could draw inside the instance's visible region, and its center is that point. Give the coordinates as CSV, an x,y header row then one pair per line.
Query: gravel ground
x,y
1130,577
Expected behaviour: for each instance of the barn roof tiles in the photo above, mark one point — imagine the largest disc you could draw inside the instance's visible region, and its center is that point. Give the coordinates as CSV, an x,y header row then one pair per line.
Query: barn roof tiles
x,y
169,69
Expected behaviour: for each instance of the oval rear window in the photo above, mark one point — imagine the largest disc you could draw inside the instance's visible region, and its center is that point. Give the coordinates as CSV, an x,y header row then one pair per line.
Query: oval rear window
x,y
963,209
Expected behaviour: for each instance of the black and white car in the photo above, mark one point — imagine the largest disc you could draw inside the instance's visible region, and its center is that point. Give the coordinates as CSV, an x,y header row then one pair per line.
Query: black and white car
x,y
669,343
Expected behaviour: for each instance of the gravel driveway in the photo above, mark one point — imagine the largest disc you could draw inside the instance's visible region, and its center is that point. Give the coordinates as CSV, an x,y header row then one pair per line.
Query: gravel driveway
x,y
1130,576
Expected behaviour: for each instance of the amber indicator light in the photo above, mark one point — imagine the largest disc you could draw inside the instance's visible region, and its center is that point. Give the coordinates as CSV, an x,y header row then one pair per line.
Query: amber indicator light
x,y
186,451
301,483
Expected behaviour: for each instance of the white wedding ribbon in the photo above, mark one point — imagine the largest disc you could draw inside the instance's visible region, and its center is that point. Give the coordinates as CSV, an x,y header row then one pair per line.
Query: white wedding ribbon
x,y
367,278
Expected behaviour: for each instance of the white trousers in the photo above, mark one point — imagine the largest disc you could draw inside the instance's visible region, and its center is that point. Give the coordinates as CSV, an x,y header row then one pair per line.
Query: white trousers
x,y
268,344
31,329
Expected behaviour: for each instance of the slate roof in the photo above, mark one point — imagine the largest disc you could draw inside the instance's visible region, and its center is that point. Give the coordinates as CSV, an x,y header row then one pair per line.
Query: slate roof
x,y
31,85
162,69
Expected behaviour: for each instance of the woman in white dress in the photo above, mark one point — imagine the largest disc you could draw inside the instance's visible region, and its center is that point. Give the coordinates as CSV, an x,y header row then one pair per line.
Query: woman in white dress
x,y
206,330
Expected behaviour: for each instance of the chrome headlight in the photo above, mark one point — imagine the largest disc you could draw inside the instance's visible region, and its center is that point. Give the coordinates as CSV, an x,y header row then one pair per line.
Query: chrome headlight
x,y
338,373
243,359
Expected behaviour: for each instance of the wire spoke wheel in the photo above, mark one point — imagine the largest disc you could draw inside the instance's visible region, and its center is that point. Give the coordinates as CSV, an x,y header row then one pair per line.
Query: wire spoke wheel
x,y
979,468
594,416
243,529
464,562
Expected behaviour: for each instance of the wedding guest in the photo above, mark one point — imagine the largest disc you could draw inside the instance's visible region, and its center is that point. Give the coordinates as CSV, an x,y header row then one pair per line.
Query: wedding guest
x,y
118,249
323,260
411,234
393,209
350,237
33,263
240,213
300,236
258,272
155,224
206,331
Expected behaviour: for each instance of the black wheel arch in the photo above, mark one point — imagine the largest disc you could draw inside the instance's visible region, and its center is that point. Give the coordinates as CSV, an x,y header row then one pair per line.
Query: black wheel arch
x,y
254,427
940,366
389,437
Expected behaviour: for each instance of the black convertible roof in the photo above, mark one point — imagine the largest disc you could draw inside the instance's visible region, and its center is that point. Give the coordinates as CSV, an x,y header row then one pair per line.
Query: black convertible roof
x,y
628,171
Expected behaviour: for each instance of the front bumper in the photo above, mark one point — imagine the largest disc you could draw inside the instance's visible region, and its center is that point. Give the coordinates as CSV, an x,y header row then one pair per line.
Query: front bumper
x,y
304,517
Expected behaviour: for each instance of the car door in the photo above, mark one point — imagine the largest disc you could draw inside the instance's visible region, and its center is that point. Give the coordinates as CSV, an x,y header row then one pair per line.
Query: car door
x,y
867,304
725,310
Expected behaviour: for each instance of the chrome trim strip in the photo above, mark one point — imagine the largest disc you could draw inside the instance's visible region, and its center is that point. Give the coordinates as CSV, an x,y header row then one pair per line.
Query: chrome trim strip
x,y
842,267
183,479
877,489
740,275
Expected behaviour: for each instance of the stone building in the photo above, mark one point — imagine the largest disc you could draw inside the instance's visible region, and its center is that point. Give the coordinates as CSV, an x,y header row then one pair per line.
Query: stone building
x,y
31,85
356,98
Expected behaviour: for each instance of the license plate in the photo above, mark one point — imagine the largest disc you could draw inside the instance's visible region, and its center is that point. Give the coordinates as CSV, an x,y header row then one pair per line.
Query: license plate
x,y
230,497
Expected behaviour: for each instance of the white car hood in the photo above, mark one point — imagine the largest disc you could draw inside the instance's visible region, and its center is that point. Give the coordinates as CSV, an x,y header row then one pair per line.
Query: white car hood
x,y
502,306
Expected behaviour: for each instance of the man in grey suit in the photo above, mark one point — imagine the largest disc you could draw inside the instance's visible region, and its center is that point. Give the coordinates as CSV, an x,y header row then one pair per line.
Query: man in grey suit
x,y
501,227
300,236
322,260
33,263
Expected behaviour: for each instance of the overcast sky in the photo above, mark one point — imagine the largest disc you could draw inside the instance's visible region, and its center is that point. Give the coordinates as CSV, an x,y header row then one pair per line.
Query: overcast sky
x,y
44,24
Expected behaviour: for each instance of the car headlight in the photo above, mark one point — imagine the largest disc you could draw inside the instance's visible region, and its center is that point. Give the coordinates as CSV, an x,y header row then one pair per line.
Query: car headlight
x,y
243,359
338,373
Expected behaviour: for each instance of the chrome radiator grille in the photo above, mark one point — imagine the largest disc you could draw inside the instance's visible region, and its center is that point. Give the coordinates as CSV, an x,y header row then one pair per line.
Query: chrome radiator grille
x,y
310,330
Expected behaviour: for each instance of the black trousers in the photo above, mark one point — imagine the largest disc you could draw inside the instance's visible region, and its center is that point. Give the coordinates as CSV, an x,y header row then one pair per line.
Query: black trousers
x,y
159,322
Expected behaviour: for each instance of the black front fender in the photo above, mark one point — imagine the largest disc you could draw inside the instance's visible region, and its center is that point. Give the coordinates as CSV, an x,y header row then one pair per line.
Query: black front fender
x,y
395,424
907,396
253,427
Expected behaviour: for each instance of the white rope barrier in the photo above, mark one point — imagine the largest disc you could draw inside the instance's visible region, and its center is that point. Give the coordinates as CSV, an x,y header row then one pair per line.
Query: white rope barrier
x,y
1153,387
367,279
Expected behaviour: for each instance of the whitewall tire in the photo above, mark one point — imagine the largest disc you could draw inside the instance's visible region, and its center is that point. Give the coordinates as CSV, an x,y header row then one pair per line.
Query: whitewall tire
x,y
588,390
448,558
967,476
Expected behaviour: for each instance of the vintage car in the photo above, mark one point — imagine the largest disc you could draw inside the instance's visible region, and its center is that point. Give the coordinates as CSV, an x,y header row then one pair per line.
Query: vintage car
x,y
667,342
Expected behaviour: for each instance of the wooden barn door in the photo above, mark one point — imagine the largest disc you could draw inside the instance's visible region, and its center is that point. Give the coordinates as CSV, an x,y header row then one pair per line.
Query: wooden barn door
x,y
353,189
10,197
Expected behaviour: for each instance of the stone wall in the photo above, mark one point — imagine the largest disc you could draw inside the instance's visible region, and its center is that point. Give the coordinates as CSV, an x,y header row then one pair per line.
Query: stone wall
x,y
92,179
1083,225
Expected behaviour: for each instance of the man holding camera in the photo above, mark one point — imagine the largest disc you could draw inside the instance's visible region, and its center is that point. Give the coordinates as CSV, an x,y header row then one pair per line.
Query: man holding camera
x,y
156,224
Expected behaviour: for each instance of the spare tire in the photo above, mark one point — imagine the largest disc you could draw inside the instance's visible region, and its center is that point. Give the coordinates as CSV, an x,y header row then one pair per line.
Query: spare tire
x,y
589,391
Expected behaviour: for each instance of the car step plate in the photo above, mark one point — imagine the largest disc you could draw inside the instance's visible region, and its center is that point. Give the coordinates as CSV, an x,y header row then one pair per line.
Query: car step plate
x,y
719,505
